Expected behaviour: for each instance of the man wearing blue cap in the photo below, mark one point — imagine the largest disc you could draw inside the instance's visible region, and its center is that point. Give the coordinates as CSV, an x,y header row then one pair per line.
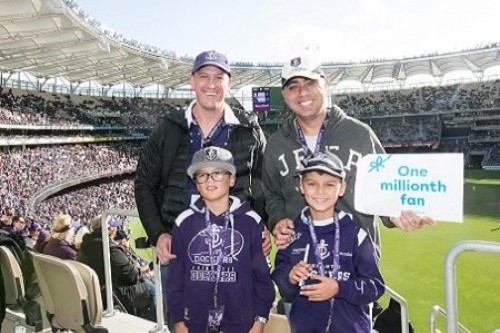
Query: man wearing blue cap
x,y
162,187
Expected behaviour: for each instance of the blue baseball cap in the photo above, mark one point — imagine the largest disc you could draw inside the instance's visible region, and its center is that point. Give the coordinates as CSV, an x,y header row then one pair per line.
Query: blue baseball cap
x,y
211,58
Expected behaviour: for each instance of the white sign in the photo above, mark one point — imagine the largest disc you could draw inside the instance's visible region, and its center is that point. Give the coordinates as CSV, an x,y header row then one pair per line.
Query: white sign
x,y
429,184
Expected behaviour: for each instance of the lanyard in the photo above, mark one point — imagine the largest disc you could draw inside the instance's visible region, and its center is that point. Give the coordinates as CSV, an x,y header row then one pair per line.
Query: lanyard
x,y
217,265
207,141
336,245
319,261
319,140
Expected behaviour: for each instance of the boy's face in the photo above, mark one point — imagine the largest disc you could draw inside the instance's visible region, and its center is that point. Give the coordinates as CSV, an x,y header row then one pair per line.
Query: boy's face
x,y
321,192
213,184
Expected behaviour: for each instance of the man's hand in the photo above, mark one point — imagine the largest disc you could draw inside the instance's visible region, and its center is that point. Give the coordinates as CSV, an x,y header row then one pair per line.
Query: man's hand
x,y
163,249
283,232
322,291
180,327
266,242
409,221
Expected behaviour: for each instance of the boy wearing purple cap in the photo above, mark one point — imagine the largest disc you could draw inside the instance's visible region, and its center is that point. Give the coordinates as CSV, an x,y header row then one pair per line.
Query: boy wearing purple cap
x,y
329,270
220,279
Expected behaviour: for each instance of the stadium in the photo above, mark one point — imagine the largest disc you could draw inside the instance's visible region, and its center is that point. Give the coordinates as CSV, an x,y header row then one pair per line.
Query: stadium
x,y
77,102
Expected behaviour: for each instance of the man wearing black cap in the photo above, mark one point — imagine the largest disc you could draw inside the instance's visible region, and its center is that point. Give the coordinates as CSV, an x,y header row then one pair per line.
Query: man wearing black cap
x,y
314,128
162,187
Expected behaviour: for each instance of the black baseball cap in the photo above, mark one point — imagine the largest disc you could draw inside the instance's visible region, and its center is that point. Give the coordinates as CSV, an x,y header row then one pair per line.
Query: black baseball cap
x,y
324,161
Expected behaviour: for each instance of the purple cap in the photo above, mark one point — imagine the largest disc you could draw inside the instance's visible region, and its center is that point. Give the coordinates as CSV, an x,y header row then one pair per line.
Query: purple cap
x,y
115,222
211,58
34,227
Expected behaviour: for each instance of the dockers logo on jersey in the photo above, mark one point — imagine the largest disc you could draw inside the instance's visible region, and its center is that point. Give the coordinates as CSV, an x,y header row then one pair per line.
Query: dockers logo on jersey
x,y
323,249
215,245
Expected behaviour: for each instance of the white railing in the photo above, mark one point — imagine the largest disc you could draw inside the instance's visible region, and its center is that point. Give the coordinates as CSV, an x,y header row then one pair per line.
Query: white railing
x,y
436,309
405,318
450,276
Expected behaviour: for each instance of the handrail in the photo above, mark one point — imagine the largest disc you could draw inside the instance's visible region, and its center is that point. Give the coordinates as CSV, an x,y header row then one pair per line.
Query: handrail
x,y
450,276
160,322
404,308
436,309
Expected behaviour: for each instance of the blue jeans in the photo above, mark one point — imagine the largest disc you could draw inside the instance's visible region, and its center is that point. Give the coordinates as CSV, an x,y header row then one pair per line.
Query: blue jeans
x,y
150,312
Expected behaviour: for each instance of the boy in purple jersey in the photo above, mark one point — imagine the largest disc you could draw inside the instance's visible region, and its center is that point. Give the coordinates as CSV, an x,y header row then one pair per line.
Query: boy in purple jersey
x,y
329,271
219,280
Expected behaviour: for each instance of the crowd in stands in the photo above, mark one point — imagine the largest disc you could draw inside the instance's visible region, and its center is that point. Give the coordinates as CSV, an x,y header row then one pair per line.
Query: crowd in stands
x,y
37,108
408,131
474,107
493,158
64,110
485,95
25,172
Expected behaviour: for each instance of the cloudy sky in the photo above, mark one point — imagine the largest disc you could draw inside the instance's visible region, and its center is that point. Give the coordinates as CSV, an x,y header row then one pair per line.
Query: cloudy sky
x,y
274,30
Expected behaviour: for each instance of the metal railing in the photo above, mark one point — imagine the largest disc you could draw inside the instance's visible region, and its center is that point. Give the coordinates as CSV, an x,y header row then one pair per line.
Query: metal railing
x,y
450,276
436,309
160,322
405,319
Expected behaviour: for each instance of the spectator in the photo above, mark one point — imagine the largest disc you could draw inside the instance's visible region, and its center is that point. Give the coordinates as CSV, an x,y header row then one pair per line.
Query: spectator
x,y
34,231
128,283
122,238
82,231
389,321
60,243
41,241
17,226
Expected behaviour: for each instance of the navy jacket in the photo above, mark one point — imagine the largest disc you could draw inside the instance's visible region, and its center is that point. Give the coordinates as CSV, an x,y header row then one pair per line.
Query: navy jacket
x,y
359,279
245,287
161,178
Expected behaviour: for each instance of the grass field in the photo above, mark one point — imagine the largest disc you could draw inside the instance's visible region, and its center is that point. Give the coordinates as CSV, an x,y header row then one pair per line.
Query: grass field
x,y
413,263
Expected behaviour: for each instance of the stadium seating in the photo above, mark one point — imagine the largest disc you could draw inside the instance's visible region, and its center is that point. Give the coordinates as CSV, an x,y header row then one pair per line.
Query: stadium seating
x,y
277,324
72,297
15,299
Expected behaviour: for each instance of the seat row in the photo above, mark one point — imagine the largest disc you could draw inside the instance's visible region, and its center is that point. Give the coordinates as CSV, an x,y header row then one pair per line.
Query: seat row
x,y
71,299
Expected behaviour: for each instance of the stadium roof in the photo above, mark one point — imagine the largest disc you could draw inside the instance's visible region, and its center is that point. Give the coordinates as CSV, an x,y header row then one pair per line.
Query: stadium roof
x,y
54,38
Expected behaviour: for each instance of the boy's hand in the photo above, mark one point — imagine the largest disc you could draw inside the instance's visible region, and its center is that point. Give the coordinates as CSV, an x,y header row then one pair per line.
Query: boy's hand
x,y
322,291
257,327
299,272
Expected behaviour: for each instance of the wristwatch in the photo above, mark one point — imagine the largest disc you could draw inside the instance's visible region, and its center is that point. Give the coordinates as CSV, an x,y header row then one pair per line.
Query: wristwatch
x,y
261,320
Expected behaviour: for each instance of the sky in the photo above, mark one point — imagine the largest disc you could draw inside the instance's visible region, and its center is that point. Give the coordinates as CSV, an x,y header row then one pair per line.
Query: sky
x,y
276,30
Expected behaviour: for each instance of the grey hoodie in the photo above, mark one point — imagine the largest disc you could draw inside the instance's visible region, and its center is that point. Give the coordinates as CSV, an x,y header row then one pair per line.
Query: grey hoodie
x,y
348,138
